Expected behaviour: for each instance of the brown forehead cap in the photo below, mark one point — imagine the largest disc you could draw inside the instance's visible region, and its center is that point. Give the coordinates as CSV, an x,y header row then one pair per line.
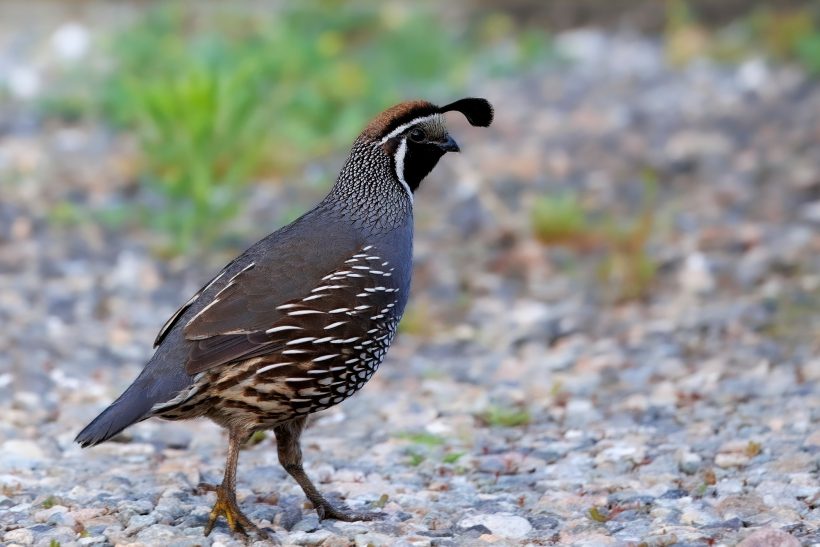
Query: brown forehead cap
x,y
397,115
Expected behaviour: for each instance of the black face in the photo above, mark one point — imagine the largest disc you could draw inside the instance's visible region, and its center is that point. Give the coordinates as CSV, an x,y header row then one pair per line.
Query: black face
x,y
420,158
417,151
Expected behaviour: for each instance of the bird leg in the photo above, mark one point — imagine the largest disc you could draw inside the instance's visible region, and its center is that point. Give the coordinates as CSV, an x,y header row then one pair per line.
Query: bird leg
x,y
290,456
226,504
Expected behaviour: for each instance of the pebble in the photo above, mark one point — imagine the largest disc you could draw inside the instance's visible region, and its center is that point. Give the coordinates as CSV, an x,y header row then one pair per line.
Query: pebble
x,y
319,537
371,539
307,524
20,454
20,536
690,463
769,538
501,524
139,522
731,459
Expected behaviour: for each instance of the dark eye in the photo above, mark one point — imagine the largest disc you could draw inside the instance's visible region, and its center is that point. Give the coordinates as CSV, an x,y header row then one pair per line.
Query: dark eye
x,y
416,135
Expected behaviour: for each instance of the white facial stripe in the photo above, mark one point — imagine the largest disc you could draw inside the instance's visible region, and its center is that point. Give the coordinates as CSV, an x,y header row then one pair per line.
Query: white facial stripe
x,y
400,152
404,126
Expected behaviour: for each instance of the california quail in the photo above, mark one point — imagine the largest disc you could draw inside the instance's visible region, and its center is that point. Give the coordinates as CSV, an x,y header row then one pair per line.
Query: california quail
x,y
302,319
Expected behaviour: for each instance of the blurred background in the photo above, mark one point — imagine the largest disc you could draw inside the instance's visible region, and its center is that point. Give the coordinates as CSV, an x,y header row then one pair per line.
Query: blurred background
x,y
634,241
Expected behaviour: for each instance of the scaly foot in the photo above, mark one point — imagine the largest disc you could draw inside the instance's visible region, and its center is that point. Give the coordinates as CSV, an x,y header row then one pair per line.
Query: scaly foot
x,y
226,506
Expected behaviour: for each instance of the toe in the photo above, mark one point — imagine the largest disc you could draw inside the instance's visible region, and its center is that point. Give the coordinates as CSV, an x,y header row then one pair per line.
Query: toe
x,y
205,487
330,512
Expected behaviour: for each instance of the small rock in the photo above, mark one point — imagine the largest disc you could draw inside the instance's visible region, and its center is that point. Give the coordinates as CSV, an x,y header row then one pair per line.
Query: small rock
x,y
728,487
324,473
319,537
731,524
171,436
661,540
61,519
45,515
811,212
696,276
621,452
701,517
21,536
674,493
159,534
94,540
20,454
71,41
731,459
308,524
689,462
137,507
502,524
373,540
289,516
769,537
139,522
743,507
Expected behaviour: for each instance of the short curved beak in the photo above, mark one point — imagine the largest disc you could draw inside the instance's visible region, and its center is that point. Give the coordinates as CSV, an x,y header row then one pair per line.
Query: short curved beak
x,y
449,145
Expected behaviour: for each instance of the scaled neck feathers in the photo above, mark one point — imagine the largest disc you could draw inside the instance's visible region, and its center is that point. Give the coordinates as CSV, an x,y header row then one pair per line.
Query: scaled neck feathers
x,y
367,190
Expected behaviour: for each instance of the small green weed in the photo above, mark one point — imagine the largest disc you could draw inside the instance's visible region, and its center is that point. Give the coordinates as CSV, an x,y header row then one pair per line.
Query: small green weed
x,y
795,321
416,320
423,438
497,416
382,501
49,502
597,515
452,457
560,220
256,438
415,458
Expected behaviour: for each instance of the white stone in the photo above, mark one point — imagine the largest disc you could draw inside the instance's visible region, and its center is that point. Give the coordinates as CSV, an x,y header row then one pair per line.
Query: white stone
x,y
24,82
313,538
696,516
728,487
502,524
21,536
17,453
70,41
695,276
689,462
374,540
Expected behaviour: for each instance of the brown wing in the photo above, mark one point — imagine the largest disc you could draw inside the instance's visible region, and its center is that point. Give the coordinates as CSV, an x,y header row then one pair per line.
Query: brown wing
x,y
361,285
172,321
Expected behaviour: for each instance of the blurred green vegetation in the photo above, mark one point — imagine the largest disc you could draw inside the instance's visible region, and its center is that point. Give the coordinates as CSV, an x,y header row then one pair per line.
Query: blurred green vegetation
x,y
795,321
423,437
625,267
425,446
216,100
498,416
782,34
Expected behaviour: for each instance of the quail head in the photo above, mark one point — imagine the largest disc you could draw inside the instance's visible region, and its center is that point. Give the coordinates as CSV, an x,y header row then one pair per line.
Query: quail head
x,y
303,318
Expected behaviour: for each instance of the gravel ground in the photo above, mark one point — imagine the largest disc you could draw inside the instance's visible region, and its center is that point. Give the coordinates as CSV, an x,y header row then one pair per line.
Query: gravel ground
x,y
689,418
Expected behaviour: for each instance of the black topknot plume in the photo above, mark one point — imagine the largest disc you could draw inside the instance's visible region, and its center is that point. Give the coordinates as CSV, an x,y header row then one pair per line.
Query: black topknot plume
x,y
479,112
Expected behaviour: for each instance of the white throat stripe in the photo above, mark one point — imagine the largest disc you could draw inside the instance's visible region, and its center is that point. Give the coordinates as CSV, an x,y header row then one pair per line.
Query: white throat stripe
x,y
399,158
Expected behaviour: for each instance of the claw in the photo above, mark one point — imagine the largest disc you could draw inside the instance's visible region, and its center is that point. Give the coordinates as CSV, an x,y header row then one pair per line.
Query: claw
x,y
226,506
